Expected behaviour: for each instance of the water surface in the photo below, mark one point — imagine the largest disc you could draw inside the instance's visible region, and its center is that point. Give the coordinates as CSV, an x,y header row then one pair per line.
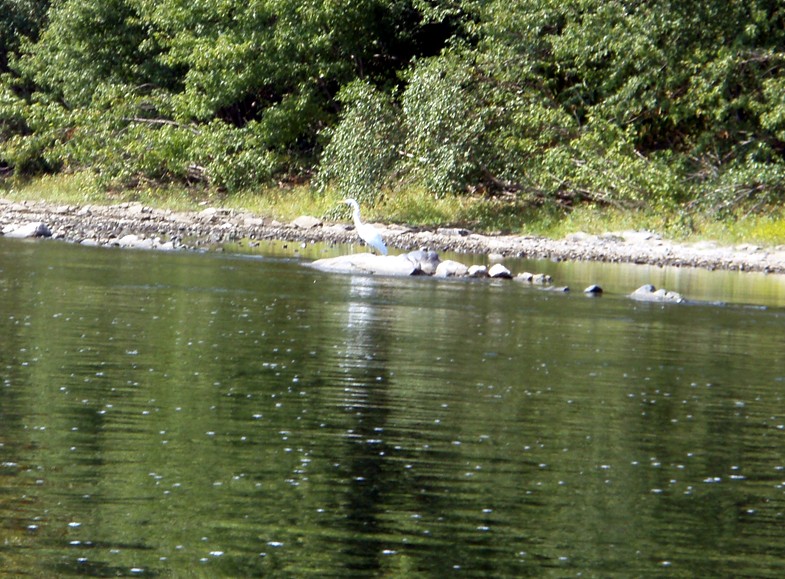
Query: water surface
x,y
242,415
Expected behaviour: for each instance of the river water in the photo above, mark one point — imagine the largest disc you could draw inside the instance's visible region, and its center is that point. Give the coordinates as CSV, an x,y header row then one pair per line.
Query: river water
x,y
181,414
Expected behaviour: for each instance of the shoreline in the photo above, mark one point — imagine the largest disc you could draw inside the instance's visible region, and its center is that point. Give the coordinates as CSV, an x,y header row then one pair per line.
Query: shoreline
x,y
137,225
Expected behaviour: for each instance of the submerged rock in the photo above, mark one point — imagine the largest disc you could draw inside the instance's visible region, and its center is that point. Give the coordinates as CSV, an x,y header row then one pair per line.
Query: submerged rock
x,y
648,293
593,290
534,278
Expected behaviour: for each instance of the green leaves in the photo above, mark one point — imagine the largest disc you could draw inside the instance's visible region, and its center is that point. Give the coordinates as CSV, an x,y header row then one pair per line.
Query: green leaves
x,y
549,101
364,148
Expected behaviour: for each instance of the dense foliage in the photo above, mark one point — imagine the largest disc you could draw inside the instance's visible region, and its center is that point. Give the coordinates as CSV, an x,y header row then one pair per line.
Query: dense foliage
x,y
613,101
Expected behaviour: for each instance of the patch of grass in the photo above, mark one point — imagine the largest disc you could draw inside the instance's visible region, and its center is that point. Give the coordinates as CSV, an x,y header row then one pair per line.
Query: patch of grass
x,y
762,229
57,189
768,230
596,220
83,188
285,204
421,208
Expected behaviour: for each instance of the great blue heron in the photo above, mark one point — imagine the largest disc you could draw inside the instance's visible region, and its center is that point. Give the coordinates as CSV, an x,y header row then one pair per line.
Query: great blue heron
x,y
367,232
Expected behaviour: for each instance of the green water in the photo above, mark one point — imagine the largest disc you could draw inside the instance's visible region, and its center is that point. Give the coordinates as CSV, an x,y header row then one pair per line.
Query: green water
x,y
241,415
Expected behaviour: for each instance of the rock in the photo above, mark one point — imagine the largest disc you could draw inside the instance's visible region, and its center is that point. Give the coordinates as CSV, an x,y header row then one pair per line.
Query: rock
x,y
209,214
499,271
126,240
541,278
580,237
136,209
425,260
637,236
648,293
134,241
368,263
28,230
524,277
477,271
593,290
250,221
495,257
452,231
450,268
307,222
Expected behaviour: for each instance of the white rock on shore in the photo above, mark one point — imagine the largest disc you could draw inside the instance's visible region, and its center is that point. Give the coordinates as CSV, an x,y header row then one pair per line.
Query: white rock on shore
x,y
28,230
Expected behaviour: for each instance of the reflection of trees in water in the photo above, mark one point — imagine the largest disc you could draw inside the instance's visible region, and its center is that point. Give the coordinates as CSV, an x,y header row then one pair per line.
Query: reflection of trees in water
x,y
366,400
386,498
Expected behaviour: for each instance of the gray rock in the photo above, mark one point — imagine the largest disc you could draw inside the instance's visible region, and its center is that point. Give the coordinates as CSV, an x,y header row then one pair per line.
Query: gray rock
x,y
648,293
307,222
134,241
450,268
129,240
593,290
542,278
250,221
28,230
477,271
499,271
209,214
453,231
525,277
425,260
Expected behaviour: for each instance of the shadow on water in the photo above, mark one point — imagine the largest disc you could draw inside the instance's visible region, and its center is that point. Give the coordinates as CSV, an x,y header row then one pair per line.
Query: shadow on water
x,y
222,415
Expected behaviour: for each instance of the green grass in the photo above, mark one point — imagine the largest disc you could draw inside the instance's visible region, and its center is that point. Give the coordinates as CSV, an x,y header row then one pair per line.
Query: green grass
x,y
417,207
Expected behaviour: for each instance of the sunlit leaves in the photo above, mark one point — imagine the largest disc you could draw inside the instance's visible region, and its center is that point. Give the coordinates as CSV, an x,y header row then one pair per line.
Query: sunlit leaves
x,y
616,101
364,147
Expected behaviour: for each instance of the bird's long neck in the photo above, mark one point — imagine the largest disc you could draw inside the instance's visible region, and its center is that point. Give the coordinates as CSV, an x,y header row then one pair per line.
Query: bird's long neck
x,y
356,216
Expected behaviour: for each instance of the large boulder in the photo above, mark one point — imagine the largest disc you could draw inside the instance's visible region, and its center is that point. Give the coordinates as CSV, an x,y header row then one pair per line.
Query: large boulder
x,y
499,271
27,230
450,268
648,293
370,263
425,260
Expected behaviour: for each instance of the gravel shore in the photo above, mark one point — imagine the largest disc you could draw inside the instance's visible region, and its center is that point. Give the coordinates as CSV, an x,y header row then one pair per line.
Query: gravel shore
x,y
136,225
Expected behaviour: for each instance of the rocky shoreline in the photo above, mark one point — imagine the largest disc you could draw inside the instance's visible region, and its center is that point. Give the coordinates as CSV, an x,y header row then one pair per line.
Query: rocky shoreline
x,y
136,225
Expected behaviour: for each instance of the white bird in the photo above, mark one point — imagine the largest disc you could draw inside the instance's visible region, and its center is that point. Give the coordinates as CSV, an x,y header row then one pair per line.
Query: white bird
x,y
367,232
